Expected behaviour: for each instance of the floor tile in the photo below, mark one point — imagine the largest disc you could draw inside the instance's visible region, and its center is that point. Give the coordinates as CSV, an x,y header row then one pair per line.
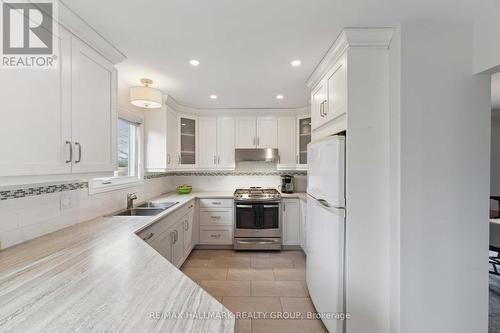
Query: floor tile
x,y
252,304
272,262
299,263
227,288
290,274
229,262
247,274
303,305
287,326
243,326
195,263
279,288
210,254
292,254
199,274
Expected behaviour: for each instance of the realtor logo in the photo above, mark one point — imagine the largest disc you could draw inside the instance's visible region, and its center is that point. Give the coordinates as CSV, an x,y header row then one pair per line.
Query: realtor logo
x,y
28,34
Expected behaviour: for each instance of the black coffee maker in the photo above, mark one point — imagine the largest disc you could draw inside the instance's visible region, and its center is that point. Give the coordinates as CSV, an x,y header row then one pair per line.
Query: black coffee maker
x,y
287,183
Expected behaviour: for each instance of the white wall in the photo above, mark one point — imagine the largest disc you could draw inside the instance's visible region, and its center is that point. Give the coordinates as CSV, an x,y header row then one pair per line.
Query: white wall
x,y
445,139
495,153
487,43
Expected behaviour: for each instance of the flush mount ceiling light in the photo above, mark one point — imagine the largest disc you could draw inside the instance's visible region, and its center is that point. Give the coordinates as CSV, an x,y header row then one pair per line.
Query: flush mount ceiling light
x,y
279,96
194,62
144,96
213,96
296,63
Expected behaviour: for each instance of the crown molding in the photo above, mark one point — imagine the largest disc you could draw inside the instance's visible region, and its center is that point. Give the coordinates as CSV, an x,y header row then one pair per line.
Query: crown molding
x,y
350,38
80,28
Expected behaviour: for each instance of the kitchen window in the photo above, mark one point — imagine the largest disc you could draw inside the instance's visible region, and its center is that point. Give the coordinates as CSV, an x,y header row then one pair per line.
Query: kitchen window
x,y
128,172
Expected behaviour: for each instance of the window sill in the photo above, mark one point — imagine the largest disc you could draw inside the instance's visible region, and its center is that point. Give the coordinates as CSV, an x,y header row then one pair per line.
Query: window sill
x,y
101,185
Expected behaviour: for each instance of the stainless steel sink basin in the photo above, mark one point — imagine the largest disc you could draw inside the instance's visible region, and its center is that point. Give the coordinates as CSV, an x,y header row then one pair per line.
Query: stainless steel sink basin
x,y
162,205
140,212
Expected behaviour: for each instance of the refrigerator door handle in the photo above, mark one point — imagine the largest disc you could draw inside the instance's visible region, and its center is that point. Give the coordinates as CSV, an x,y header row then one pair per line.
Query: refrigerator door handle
x,y
324,203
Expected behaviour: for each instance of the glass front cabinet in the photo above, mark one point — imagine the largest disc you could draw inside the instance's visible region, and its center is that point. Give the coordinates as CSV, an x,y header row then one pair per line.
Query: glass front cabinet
x,y
188,141
303,139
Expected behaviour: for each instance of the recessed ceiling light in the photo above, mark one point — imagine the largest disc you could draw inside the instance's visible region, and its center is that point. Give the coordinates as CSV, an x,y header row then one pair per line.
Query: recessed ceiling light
x,y
279,96
213,96
194,62
296,63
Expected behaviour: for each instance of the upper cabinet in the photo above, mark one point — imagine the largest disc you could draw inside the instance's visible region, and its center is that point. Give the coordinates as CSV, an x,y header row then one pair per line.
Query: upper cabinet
x,y
161,139
318,101
257,132
187,125
286,142
303,139
93,84
67,114
216,143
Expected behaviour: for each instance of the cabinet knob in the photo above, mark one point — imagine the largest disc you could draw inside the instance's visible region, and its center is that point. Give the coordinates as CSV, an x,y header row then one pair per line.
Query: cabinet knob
x,y
148,236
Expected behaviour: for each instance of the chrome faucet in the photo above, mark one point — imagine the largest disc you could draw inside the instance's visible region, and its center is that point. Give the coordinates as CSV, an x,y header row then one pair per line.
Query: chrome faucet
x,y
130,200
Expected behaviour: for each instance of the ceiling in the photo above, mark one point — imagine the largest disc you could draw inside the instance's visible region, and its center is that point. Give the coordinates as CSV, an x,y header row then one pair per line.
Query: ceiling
x,y
245,47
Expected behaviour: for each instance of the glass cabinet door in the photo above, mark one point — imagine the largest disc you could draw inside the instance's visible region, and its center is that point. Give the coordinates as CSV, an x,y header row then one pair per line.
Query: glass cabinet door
x,y
304,138
187,141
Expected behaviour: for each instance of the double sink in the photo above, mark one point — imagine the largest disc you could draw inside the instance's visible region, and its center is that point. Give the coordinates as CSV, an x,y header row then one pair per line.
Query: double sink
x,y
147,209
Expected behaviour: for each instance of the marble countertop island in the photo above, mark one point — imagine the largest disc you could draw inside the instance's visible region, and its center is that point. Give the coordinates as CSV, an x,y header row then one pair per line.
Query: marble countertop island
x,y
99,276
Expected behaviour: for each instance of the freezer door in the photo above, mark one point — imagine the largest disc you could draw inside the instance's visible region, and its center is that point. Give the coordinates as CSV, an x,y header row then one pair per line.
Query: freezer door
x,y
325,261
325,178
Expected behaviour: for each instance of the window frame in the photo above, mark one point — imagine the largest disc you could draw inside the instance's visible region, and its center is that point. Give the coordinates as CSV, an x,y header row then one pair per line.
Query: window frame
x,y
107,184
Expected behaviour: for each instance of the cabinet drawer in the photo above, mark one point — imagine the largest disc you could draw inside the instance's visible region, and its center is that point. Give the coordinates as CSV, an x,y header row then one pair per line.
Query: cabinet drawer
x,y
209,235
214,216
150,233
215,203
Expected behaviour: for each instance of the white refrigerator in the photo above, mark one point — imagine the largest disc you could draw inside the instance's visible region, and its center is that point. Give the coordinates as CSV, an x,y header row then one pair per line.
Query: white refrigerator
x,y
326,229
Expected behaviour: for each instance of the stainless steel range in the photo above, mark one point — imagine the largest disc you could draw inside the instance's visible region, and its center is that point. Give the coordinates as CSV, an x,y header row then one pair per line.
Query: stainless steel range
x,y
257,219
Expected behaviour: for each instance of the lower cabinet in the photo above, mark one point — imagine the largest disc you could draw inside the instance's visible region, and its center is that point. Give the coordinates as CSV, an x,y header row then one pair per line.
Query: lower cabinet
x,y
216,222
291,221
172,236
303,225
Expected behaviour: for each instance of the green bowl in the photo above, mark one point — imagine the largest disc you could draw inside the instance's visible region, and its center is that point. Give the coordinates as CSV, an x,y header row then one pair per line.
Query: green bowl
x,y
183,189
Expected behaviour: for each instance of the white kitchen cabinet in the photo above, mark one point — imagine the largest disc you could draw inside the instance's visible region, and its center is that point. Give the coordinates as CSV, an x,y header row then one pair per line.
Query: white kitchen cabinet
x,y
318,101
303,139
172,137
187,126
225,143
337,91
216,143
208,142
267,132
93,114
246,136
291,221
188,221
286,142
216,221
303,225
178,251
259,132
163,244
67,114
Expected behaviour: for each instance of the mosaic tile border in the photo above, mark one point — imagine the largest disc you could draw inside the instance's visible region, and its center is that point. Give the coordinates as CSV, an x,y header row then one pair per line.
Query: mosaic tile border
x,y
224,173
42,189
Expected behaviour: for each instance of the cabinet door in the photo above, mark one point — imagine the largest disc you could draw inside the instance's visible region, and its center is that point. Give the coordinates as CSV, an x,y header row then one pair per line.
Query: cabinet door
x,y
178,244
318,99
246,136
337,91
208,142
155,140
93,110
36,114
286,142
291,222
188,232
188,143
172,136
163,244
267,132
225,143
303,139
303,225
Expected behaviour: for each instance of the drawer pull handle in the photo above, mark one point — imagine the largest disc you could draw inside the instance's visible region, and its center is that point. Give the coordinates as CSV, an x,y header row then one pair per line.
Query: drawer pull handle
x,y
216,203
216,217
216,236
148,237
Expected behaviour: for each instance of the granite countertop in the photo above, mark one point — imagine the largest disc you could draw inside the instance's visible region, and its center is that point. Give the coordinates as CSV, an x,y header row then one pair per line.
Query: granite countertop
x,y
99,276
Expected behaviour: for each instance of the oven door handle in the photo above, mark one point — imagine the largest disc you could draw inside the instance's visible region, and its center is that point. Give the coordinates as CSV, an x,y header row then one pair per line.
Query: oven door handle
x,y
271,206
244,206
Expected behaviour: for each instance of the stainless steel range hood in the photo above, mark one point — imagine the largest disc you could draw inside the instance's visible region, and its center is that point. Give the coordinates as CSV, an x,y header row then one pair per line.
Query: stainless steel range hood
x,y
256,154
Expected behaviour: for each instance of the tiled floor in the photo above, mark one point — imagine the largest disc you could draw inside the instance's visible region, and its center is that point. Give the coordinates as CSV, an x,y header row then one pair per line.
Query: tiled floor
x,y
494,304
251,282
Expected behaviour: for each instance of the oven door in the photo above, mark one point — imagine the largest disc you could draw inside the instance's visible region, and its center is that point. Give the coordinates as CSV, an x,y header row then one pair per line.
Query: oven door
x,y
257,220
